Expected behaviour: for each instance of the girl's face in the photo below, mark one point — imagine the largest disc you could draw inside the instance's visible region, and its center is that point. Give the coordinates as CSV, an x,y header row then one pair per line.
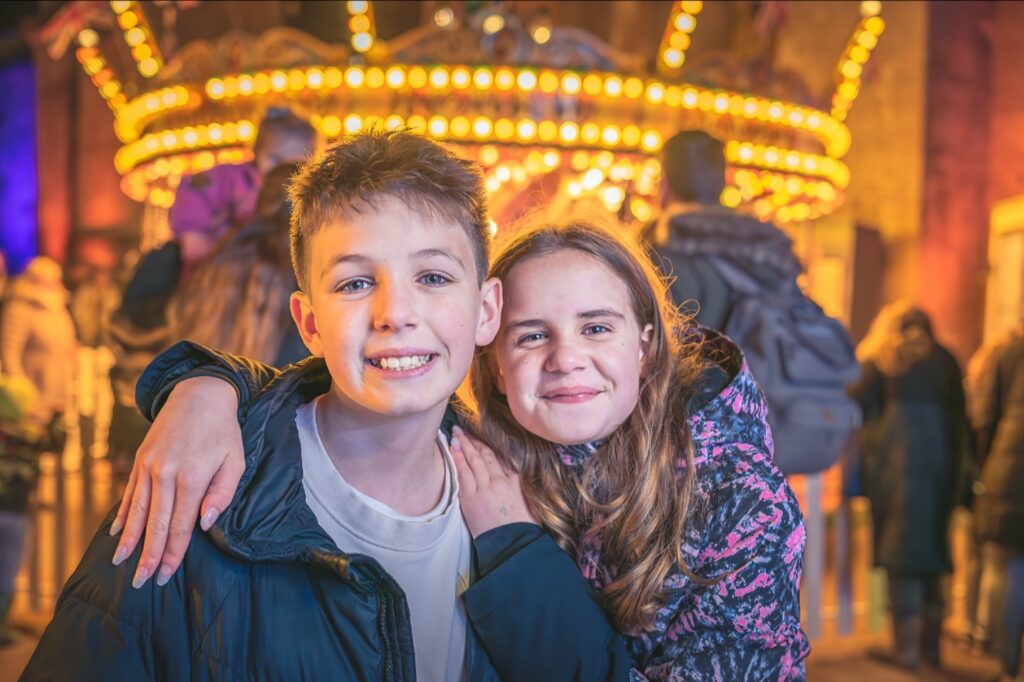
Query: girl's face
x,y
570,350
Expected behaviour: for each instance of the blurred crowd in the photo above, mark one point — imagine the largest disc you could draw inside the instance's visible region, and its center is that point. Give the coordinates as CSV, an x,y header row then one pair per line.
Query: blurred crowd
x,y
917,436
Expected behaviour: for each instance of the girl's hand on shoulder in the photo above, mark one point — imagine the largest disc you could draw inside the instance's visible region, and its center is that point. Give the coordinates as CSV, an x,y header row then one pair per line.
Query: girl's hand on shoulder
x,y
490,494
190,462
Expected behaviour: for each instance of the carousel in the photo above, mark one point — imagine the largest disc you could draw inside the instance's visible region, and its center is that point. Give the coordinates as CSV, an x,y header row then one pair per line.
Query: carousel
x,y
553,114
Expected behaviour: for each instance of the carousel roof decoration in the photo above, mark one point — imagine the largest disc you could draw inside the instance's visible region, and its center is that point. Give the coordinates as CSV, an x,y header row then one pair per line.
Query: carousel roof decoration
x,y
544,108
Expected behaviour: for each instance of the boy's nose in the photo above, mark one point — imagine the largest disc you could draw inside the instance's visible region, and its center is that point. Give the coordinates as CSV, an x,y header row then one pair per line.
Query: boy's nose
x,y
393,309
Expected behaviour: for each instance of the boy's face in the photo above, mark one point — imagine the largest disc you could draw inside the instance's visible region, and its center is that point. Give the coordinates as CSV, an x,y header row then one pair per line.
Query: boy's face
x,y
395,309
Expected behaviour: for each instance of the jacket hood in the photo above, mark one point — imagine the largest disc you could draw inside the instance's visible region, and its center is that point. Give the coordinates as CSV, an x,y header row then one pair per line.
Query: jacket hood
x,y
764,248
269,519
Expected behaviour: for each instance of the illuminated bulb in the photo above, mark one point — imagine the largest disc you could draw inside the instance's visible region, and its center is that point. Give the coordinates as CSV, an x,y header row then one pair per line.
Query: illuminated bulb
x,y
692,6
246,130
590,133
655,93
417,77
120,6
314,78
685,22
245,85
548,81
569,132
278,81
394,122
613,86
552,158
580,161
417,123
631,136
547,130
461,78
504,129
651,141
482,127
610,135
148,67
459,126
731,197
633,87
680,41
875,25
358,6
128,20
673,58
444,17
505,79
526,81
721,103
331,126
541,34
870,8
133,36
574,189
867,40
571,83
503,173
492,184
593,84
489,155
362,42
483,79
493,23
591,179
360,23
492,229
437,126
395,77
215,88
859,54
439,78
526,129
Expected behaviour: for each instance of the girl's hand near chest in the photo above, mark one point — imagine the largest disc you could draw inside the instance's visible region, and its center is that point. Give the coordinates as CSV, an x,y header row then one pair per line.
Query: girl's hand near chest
x,y
490,494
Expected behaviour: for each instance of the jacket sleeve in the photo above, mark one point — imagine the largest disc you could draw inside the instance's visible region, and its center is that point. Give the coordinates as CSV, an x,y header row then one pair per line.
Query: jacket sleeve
x,y
989,407
103,629
185,360
744,624
535,615
14,333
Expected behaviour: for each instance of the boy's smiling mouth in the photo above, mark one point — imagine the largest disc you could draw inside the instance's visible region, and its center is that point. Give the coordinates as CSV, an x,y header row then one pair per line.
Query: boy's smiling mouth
x,y
402,361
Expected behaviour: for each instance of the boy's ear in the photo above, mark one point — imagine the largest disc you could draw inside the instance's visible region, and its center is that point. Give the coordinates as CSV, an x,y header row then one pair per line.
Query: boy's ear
x,y
305,320
490,312
645,343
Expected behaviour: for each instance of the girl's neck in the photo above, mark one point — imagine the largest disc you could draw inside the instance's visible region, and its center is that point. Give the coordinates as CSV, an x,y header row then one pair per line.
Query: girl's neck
x,y
396,461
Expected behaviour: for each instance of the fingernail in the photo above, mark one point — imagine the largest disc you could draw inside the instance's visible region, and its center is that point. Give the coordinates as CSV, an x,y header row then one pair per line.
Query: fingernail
x,y
208,518
116,527
120,555
457,429
455,443
164,575
141,576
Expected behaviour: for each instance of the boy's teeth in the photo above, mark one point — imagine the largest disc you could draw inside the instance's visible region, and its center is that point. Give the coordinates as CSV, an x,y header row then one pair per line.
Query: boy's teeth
x,y
405,362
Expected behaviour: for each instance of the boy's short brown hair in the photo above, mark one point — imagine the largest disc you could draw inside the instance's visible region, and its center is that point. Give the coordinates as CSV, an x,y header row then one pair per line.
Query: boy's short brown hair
x,y
353,173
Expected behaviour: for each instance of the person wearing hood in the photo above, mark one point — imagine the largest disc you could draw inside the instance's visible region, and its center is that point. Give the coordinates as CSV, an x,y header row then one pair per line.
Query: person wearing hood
x,y
915,431
37,336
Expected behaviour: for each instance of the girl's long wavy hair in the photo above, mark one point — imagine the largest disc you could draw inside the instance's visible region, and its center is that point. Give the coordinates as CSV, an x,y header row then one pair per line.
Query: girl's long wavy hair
x,y
635,493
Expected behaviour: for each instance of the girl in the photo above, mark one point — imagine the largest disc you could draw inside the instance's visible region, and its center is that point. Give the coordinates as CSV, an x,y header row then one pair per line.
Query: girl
x,y
646,457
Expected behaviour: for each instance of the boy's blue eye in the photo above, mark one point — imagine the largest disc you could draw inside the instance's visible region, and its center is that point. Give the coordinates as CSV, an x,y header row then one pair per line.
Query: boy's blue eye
x,y
354,285
435,279
597,329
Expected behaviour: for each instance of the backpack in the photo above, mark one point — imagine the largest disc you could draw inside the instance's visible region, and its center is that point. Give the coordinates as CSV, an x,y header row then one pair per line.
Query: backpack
x,y
803,360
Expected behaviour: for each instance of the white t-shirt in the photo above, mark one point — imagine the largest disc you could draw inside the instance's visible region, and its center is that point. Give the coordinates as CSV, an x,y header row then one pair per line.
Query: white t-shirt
x,y
428,555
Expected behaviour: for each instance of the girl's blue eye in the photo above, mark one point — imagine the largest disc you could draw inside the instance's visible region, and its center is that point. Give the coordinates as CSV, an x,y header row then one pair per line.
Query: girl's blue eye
x,y
435,279
597,329
354,285
530,338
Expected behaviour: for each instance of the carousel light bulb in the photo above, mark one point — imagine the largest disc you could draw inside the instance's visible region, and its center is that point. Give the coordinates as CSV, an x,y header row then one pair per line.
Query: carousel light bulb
x,y
444,17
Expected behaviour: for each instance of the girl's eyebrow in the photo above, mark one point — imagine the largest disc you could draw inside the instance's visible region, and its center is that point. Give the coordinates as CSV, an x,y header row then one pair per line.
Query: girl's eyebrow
x,y
601,312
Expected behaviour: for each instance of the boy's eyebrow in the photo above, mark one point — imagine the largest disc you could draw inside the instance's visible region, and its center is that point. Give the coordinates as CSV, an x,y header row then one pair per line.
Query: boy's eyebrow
x,y
444,253
344,258
586,315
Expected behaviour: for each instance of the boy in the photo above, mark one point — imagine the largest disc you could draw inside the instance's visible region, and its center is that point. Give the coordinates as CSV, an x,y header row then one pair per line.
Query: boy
x,y
389,251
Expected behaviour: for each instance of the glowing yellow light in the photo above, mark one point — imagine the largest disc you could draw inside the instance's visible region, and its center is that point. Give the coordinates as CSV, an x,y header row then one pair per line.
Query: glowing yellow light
x,y
461,78
128,20
315,79
120,6
610,135
569,131
444,17
705,100
651,141
547,130
813,121
93,65
867,40
261,83
353,122
552,158
591,179
503,173
590,133
870,8
875,25
245,85
296,79
133,36
641,210
148,67
394,122
395,77
439,78
859,54
459,126
674,96
526,129
505,79
685,22
437,126
613,86
493,23
362,42
655,93
492,229
504,129
794,185
580,161
692,6
541,34
358,6
612,196
593,84
771,156
731,197
360,23
851,69
848,91
482,79
574,189
482,127
143,51
417,77
631,136
492,184
109,89
721,103
527,81
571,83
331,126
673,58
489,155
679,41
215,88
230,87
246,130
548,81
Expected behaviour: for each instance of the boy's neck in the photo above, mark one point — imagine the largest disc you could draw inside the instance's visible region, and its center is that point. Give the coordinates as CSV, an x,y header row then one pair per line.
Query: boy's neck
x,y
393,460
